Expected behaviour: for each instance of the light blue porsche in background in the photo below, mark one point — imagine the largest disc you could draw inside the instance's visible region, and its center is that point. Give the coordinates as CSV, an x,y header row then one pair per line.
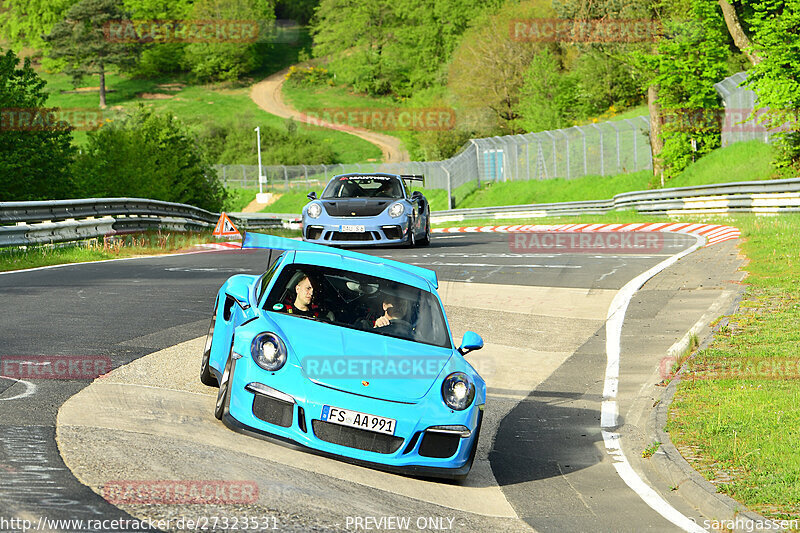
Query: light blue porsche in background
x,y
368,209
330,375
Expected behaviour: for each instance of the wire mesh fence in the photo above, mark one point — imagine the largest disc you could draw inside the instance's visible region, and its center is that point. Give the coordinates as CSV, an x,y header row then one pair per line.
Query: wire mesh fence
x,y
598,149
739,102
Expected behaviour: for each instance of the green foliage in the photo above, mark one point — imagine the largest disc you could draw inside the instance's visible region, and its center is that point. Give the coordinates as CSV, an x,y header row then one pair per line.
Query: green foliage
x,y
79,40
548,95
391,46
234,142
225,61
25,22
148,155
776,79
489,67
308,76
301,11
34,165
690,60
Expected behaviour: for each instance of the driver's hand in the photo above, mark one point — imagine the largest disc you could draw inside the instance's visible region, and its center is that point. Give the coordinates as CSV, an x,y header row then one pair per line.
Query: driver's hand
x,y
382,321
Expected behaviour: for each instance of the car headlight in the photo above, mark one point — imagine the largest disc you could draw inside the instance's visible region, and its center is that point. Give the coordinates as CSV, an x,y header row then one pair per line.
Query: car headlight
x,y
458,391
268,351
396,210
314,210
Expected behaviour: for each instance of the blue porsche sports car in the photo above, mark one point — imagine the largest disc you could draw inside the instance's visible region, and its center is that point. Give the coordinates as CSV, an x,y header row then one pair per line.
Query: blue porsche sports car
x,y
348,354
359,209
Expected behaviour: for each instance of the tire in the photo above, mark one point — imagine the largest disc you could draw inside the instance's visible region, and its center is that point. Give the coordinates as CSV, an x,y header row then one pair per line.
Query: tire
x,y
426,240
412,240
206,377
224,394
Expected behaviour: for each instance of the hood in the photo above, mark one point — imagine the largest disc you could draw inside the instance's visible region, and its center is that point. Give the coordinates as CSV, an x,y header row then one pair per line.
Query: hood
x,y
357,207
364,363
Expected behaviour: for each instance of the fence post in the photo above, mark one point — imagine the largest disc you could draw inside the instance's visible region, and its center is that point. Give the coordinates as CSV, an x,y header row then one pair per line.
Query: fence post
x,y
449,189
555,166
602,156
285,176
305,173
616,130
585,157
566,143
634,131
477,160
325,171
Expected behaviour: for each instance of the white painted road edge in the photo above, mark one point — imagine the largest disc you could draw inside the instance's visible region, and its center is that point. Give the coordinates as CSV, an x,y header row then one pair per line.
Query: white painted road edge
x,y
609,412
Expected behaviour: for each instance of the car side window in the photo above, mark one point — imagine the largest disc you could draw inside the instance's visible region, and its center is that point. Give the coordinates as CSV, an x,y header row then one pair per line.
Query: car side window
x,y
266,278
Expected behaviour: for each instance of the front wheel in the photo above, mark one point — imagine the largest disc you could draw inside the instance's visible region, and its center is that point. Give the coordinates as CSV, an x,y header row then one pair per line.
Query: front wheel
x,y
412,240
206,377
224,394
426,240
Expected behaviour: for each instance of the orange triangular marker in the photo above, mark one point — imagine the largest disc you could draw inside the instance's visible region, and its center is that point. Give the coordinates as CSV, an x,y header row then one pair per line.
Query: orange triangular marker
x,y
225,227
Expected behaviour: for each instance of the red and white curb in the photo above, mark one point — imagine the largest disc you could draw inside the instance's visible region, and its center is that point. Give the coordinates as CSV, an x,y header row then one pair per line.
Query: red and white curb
x,y
713,233
233,245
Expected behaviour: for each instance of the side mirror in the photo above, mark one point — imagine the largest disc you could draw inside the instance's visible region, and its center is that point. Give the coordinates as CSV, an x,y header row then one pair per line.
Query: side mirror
x,y
471,341
312,195
416,194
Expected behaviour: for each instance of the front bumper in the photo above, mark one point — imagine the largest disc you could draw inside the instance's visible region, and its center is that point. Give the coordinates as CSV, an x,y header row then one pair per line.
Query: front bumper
x,y
328,231
267,411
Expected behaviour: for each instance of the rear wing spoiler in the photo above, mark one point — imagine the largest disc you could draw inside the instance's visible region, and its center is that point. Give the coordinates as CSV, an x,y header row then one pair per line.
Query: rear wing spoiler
x,y
260,240
414,177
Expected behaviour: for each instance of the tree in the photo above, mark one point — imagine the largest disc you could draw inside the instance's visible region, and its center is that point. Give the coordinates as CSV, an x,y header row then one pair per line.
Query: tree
x,y
36,150
148,155
547,96
392,46
776,78
231,57
80,40
26,22
488,68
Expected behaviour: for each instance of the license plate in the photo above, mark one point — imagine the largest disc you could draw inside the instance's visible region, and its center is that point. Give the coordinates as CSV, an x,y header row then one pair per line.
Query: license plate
x,y
346,417
349,228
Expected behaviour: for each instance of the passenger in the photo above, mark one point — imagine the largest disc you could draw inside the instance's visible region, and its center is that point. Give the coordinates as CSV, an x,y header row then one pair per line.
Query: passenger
x,y
395,312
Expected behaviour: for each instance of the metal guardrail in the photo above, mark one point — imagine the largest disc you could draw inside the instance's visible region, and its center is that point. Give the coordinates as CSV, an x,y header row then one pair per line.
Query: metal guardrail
x,y
26,223
769,196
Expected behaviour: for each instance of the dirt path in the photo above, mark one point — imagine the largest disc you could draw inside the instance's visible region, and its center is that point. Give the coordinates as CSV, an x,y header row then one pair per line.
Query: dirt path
x,y
267,95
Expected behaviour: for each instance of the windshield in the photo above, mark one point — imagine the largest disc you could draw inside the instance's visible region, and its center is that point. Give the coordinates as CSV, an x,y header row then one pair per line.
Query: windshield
x,y
364,187
358,301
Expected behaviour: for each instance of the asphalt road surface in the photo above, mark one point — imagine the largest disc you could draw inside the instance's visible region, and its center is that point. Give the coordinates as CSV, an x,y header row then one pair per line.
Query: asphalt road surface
x,y
542,463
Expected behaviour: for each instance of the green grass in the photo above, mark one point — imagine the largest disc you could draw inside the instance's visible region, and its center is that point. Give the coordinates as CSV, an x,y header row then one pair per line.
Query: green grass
x,y
215,103
238,199
743,425
556,190
140,244
744,161
741,430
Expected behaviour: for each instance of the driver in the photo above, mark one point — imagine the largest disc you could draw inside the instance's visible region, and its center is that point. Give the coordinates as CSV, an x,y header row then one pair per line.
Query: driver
x,y
394,310
304,294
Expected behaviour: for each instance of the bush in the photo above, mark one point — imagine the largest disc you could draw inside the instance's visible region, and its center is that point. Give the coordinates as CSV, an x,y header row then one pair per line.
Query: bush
x,y
34,165
148,155
234,142
308,76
